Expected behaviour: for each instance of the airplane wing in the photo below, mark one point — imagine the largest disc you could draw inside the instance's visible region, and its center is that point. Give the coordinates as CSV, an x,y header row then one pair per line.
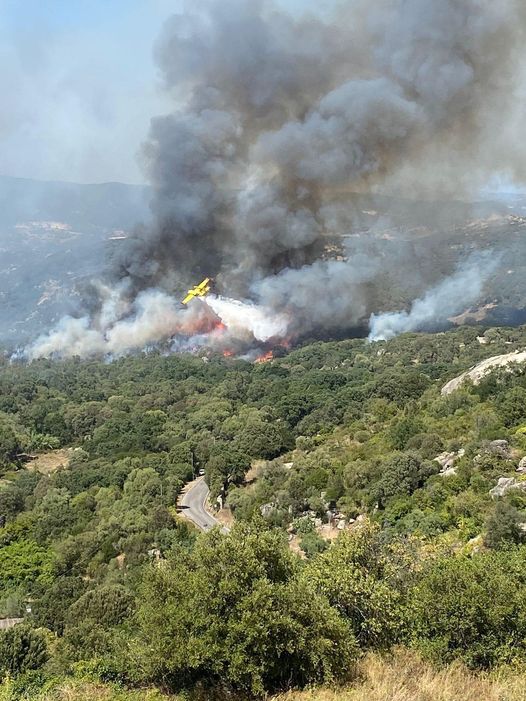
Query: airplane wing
x,y
189,296
203,285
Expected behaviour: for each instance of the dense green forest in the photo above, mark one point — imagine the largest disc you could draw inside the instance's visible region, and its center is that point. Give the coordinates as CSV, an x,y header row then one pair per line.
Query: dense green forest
x,y
114,584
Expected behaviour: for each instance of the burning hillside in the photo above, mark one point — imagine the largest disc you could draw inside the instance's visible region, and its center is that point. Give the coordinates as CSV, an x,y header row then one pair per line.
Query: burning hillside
x,y
220,324
277,120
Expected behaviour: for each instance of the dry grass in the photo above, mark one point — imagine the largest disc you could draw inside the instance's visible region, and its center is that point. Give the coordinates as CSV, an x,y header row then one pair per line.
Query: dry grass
x,y
49,462
254,472
402,677
224,516
405,677
89,691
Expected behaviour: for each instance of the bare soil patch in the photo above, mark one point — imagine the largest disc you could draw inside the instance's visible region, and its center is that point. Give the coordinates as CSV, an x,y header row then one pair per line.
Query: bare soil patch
x,y
49,462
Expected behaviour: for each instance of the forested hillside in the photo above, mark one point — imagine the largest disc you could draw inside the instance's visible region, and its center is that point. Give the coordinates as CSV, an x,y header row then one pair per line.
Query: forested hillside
x,y
426,493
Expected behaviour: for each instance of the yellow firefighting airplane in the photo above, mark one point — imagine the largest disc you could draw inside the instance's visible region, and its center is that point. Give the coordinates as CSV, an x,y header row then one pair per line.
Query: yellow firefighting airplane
x,y
200,290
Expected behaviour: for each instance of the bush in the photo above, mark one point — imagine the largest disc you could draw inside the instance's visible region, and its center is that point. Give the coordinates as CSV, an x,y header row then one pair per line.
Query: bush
x,y
23,562
51,609
106,606
503,526
234,611
428,444
22,648
312,544
401,475
473,609
303,525
401,432
362,436
359,577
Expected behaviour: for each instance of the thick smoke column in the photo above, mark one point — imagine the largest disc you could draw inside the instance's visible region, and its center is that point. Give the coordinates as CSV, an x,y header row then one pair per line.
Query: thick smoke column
x,y
282,115
279,119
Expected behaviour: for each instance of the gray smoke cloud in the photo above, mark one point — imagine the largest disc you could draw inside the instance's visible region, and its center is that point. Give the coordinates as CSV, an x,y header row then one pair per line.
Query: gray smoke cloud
x,y
307,293
281,115
280,118
449,297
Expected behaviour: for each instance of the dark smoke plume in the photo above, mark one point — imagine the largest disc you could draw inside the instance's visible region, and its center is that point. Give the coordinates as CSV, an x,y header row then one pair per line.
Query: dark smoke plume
x,y
278,119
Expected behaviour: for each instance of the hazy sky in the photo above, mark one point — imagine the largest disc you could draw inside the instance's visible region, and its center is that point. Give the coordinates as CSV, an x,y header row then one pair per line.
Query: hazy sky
x,y
79,85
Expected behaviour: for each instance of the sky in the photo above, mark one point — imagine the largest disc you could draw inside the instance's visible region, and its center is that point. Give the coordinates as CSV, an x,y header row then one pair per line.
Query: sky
x,y
79,85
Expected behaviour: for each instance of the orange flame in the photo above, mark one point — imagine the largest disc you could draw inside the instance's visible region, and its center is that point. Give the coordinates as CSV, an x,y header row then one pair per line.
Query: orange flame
x,y
203,323
228,353
269,355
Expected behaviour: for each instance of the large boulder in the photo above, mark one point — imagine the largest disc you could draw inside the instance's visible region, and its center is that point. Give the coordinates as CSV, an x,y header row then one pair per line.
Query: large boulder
x,y
505,485
501,448
267,509
522,465
447,461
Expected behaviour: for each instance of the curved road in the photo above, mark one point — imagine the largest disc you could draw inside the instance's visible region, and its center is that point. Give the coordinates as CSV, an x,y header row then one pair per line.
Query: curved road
x,y
192,506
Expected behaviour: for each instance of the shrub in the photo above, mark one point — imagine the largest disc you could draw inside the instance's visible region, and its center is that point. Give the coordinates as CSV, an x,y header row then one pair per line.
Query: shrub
x,y
401,431
107,606
22,648
503,526
234,611
24,562
359,578
401,475
312,543
473,609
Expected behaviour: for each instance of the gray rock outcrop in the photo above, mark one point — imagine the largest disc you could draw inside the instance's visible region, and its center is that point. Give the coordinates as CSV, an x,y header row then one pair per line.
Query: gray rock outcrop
x,y
505,485
501,448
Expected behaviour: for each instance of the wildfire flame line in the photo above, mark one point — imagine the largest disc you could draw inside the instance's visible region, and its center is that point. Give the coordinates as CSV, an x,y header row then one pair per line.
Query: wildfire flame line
x,y
265,358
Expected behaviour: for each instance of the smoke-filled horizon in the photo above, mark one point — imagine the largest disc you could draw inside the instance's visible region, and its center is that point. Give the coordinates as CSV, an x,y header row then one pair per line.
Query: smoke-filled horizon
x,y
277,120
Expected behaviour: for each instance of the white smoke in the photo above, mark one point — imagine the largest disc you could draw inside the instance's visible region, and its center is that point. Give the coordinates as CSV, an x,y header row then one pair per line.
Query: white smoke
x,y
242,317
119,328
71,337
451,296
307,293
155,317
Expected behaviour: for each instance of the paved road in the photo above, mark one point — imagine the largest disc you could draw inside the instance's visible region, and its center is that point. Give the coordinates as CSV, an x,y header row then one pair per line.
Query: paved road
x,y
192,506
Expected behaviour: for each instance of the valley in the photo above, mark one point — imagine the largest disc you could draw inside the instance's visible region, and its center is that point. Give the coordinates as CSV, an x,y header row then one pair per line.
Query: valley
x,y
367,508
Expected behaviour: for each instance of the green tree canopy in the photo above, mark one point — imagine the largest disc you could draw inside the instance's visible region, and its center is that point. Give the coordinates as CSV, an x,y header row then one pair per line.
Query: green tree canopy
x,y
234,609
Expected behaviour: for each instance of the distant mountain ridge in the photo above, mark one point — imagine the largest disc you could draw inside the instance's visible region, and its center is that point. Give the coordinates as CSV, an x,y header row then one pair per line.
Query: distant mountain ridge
x,y
106,205
55,236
